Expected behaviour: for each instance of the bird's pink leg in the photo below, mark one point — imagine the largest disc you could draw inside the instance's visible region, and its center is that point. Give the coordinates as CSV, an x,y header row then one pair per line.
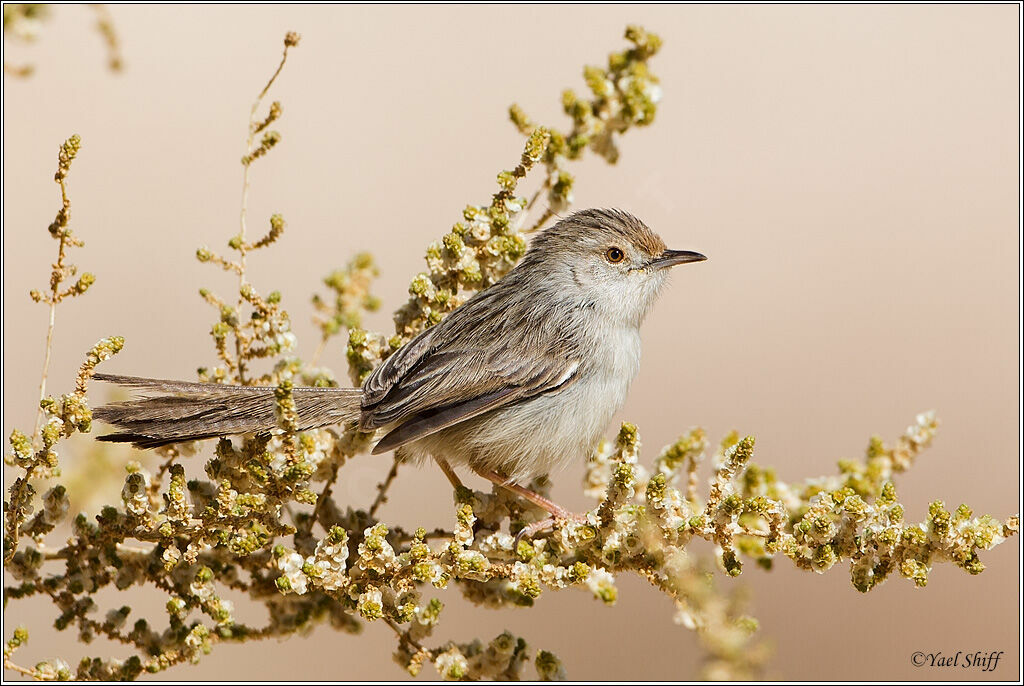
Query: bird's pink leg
x,y
536,498
453,478
556,510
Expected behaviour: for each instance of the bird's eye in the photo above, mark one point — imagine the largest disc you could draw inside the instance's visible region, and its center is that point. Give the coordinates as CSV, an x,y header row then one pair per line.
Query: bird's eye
x,y
615,255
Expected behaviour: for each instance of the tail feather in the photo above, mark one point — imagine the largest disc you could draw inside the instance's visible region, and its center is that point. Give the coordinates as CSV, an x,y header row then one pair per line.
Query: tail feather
x,y
179,411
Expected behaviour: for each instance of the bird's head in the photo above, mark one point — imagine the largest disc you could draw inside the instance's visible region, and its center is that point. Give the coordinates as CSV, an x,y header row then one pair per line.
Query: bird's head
x,y
609,258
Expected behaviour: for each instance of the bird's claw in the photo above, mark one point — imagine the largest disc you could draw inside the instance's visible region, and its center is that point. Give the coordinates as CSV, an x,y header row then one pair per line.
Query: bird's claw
x,y
546,523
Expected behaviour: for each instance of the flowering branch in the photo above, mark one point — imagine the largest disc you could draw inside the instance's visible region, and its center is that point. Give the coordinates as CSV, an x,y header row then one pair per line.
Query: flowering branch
x,y
260,520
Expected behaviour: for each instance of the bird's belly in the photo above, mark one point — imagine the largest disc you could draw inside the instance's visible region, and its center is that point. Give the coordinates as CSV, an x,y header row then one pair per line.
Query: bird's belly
x,y
546,433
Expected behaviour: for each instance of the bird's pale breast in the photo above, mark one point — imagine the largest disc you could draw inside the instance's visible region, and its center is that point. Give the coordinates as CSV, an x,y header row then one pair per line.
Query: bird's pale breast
x,y
545,433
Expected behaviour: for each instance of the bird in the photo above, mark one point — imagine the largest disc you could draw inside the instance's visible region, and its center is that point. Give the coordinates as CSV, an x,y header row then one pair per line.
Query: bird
x,y
520,380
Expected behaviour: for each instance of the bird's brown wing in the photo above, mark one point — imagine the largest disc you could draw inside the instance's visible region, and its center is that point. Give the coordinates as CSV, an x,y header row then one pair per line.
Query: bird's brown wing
x,y
474,361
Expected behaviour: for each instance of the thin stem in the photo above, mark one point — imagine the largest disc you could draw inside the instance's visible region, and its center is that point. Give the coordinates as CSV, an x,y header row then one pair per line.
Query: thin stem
x,y
548,214
420,653
164,467
324,495
319,351
46,367
109,632
56,278
248,151
157,481
655,580
252,129
536,194
21,670
105,25
403,636
382,488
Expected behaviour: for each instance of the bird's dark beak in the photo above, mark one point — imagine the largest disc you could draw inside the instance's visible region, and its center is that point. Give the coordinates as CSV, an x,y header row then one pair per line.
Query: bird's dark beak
x,y
671,258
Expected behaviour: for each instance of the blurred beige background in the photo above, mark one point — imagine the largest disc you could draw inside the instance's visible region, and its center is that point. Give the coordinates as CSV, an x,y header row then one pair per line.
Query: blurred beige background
x,y
850,171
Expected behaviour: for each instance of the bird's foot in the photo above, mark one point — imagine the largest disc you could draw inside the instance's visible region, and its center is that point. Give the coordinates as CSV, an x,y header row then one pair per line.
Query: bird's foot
x,y
558,513
531,530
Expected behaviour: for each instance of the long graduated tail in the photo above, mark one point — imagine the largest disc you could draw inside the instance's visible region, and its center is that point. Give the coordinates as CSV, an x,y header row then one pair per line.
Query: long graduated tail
x,y
178,411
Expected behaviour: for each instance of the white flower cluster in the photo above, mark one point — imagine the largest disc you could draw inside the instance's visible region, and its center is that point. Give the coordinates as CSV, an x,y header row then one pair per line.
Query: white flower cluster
x,y
290,564
315,447
135,493
55,505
